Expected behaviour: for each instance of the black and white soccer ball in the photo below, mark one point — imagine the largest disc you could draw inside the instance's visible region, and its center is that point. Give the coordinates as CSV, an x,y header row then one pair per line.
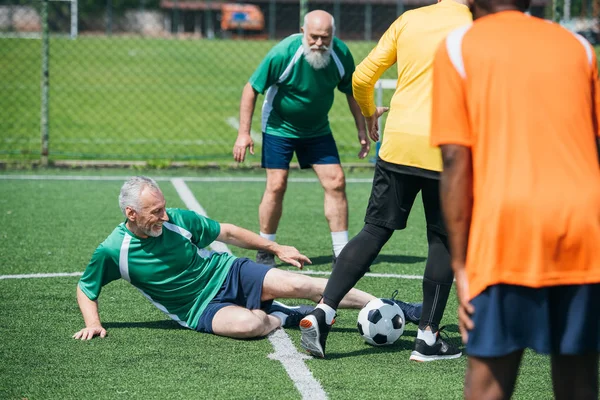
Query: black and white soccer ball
x,y
381,322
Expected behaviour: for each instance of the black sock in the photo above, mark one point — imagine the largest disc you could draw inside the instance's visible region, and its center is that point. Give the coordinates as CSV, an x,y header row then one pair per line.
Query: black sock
x,y
354,261
437,280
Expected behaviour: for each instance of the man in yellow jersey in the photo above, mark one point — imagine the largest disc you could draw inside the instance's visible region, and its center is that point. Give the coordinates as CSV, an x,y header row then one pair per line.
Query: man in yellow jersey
x,y
406,166
515,109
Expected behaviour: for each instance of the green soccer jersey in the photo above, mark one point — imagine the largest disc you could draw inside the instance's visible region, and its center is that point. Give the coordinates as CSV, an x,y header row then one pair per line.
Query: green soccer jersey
x,y
299,97
169,269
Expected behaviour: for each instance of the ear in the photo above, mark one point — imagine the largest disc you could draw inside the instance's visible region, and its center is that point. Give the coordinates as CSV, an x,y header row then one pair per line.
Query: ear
x,y
302,29
130,213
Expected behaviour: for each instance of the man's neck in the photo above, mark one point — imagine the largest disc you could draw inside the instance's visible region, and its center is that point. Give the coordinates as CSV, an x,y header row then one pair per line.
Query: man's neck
x,y
134,229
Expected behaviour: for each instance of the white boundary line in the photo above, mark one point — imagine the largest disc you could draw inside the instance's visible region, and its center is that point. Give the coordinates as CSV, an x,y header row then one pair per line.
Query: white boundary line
x,y
164,178
235,124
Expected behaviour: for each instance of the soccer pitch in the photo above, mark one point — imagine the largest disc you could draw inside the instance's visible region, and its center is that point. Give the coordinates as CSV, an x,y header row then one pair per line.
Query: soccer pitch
x,y
51,224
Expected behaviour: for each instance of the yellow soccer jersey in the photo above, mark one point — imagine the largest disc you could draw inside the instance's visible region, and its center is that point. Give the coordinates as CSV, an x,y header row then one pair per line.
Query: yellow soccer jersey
x,y
410,42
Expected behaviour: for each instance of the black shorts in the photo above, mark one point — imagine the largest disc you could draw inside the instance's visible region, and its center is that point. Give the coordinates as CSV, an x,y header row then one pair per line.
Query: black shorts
x,y
393,194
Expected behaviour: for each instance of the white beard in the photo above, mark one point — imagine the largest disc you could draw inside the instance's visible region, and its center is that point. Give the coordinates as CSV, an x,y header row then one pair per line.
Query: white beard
x,y
316,59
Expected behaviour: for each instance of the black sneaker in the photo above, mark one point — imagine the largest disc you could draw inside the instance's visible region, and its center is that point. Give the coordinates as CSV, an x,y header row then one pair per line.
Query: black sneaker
x,y
412,311
294,313
440,350
314,331
262,257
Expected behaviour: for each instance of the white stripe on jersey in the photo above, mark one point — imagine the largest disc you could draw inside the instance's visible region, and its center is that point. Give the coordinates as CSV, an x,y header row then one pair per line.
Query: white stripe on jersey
x,y
338,63
177,229
588,47
124,258
454,48
272,91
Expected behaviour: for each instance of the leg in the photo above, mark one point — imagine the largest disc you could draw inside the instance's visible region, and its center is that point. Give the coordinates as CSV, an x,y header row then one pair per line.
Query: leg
x,y
492,378
333,181
438,277
354,261
240,323
271,205
575,377
285,284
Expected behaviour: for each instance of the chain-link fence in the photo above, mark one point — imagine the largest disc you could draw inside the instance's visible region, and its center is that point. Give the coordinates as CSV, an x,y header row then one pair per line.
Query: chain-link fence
x,y
149,80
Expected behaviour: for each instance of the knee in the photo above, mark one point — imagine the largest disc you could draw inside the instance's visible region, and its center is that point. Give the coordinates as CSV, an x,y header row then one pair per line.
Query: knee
x,y
249,326
336,183
276,187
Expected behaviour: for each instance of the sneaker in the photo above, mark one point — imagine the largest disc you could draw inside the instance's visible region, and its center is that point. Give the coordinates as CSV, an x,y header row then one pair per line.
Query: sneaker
x,y
314,331
262,257
294,313
412,311
440,350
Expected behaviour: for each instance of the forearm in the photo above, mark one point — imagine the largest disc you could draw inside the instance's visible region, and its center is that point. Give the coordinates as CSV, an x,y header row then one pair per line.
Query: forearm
x,y
240,237
456,193
247,105
359,120
89,309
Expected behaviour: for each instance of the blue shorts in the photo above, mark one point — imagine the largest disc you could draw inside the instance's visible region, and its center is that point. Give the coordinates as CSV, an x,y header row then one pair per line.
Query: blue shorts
x,y
242,287
550,320
277,151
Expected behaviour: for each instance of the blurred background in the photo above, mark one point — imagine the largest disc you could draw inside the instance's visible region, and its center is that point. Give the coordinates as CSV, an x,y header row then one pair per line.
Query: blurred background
x,y
160,81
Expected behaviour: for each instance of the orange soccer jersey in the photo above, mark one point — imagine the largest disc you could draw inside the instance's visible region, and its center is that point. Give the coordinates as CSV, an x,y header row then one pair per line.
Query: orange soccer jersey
x,y
522,93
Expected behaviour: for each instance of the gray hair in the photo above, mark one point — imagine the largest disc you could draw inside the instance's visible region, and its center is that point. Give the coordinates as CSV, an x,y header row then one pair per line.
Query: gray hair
x,y
131,189
332,24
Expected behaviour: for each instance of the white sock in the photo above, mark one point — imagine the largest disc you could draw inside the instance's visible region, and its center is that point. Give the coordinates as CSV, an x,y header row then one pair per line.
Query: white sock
x,y
339,240
281,316
428,336
329,313
268,236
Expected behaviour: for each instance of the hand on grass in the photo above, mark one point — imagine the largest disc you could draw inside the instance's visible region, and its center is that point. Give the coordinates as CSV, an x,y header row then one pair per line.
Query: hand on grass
x,y
89,333
291,255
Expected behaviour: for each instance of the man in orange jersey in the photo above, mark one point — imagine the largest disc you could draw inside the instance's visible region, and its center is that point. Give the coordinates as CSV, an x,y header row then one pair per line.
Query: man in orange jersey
x,y
515,112
406,166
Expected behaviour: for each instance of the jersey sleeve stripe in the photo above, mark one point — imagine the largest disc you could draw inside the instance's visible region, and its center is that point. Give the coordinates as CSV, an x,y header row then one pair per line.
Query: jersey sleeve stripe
x,y
177,229
588,47
124,258
289,67
454,48
338,64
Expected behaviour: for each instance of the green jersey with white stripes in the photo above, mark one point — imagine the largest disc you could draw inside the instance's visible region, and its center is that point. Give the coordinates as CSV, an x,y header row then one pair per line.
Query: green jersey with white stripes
x,y
299,97
169,269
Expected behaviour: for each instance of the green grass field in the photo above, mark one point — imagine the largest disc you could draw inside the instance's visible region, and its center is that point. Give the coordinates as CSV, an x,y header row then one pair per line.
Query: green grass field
x,y
139,99
50,225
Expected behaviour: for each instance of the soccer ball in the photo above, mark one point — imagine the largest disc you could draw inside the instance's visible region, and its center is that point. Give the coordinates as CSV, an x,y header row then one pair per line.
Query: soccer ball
x,y
381,322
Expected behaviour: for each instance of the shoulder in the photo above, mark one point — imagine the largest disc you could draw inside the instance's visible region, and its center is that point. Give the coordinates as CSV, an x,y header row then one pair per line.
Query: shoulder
x,y
288,46
112,244
340,47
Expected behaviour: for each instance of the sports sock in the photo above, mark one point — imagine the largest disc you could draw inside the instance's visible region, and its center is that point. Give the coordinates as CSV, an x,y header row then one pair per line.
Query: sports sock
x,y
428,336
354,261
280,315
339,240
437,280
268,236
329,313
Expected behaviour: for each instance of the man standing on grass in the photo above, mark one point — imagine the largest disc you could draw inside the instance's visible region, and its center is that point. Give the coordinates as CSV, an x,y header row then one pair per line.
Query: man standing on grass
x,y
515,111
406,166
157,250
300,75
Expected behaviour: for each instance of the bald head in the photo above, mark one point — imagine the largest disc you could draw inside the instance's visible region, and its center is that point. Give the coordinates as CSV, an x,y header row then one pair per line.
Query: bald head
x,y
480,8
319,20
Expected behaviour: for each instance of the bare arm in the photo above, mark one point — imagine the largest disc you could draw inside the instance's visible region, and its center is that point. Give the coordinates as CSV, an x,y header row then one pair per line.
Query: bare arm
x,y
240,237
91,318
456,193
244,141
361,128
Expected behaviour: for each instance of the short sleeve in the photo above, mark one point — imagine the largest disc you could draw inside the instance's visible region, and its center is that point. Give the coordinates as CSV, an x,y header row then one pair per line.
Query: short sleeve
x,y
449,114
101,270
269,70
